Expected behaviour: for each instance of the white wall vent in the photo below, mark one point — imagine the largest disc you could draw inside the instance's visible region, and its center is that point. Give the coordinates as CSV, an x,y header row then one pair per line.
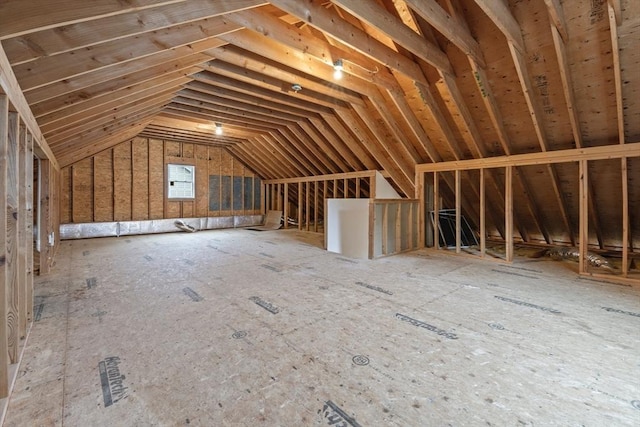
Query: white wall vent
x,y
181,181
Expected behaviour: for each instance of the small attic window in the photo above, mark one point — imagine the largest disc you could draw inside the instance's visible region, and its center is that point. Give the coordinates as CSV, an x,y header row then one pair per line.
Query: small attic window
x,y
181,181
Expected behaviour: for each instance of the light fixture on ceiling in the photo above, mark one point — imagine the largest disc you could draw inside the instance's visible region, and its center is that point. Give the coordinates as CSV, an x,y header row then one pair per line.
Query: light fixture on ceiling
x,y
337,69
296,87
218,129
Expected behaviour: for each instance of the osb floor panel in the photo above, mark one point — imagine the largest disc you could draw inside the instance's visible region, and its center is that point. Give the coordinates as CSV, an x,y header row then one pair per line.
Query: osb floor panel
x,y
246,328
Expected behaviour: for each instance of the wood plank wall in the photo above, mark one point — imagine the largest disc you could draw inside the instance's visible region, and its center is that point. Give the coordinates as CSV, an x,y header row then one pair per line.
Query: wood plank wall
x,y
127,182
17,200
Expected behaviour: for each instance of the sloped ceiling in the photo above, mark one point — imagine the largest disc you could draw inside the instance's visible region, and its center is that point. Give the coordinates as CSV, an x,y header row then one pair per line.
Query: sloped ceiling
x,y
423,81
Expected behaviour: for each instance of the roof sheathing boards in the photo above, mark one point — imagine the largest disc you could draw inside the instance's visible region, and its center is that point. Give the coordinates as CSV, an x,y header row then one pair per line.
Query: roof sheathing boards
x,y
502,80
544,73
628,41
591,66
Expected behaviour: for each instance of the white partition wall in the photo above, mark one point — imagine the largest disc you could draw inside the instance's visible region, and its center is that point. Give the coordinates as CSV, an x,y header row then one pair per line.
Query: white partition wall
x,y
347,230
384,190
367,228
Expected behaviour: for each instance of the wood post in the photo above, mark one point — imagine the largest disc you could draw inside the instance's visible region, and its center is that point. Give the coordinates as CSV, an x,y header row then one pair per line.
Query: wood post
x,y
385,228
4,283
286,205
398,243
44,202
508,213
12,243
315,206
300,206
625,216
307,205
458,209
24,239
372,221
325,196
372,187
29,227
420,195
483,215
584,215
436,210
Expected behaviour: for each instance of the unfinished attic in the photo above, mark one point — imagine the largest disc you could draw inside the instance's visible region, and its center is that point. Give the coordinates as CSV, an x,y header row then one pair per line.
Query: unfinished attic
x,y
397,212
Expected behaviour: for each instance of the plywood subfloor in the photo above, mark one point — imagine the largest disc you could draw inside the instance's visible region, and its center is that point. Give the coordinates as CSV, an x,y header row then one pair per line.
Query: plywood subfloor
x,y
242,328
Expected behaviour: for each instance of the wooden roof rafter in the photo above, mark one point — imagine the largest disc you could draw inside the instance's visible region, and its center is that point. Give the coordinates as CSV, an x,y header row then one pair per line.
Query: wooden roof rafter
x,y
217,108
449,83
444,21
95,140
106,100
292,55
271,84
500,14
269,153
157,99
401,171
323,128
63,66
50,42
82,135
194,113
68,97
304,157
288,75
153,130
351,141
152,64
87,114
45,14
9,85
338,156
297,135
258,168
234,103
228,87
309,160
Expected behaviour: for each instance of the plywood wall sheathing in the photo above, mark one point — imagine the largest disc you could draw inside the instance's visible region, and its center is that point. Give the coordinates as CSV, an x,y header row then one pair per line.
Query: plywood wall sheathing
x,y
127,182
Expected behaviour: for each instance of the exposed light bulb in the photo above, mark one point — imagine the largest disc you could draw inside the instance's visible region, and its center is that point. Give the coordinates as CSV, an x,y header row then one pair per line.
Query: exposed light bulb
x,y
337,69
218,129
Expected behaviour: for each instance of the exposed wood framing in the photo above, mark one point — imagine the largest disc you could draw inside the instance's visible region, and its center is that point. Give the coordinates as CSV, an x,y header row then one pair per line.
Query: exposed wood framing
x,y
549,157
458,196
556,16
13,243
322,19
10,86
508,213
483,208
4,268
436,209
499,13
43,14
583,156
615,50
626,241
423,81
584,214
